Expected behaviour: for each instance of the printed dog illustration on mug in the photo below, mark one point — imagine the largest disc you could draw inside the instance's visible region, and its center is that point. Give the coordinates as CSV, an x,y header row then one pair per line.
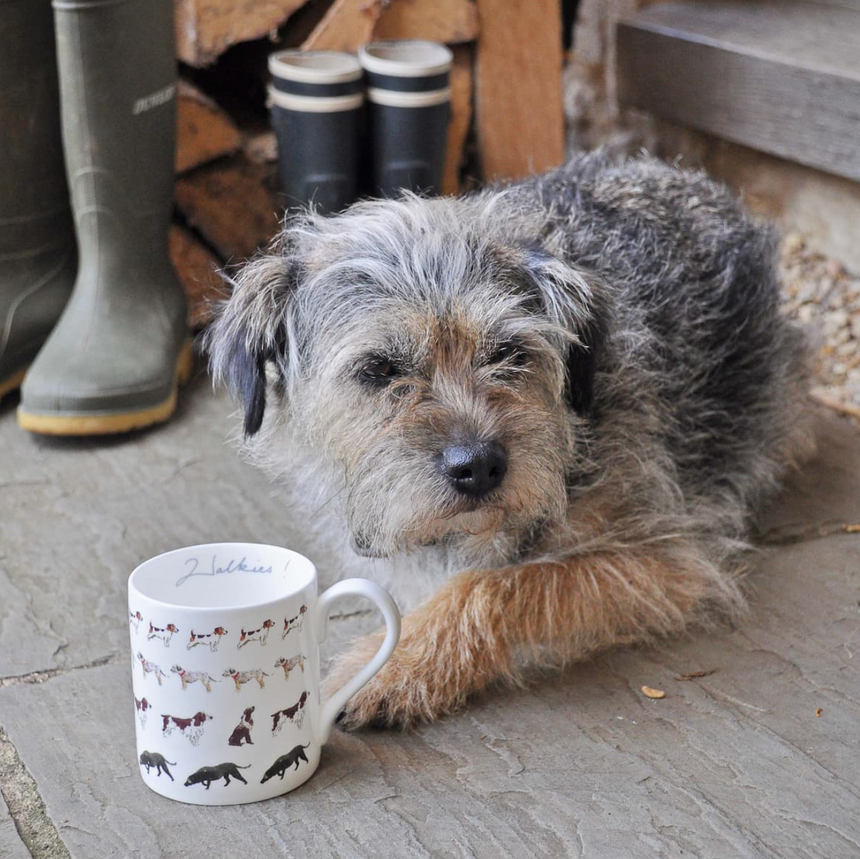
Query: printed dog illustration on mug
x,y
164,633
134,619
294,714
242,732
188,677
246,636
150,668
242,677
154,759
209,639
142,707
191,727
284,762
289,664
294,623
206,775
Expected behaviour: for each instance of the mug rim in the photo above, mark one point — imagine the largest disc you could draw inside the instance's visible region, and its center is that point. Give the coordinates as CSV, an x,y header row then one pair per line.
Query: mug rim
x,y
136,574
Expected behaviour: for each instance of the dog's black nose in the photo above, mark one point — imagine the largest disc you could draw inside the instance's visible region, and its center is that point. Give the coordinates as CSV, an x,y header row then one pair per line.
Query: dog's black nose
x,y
475,469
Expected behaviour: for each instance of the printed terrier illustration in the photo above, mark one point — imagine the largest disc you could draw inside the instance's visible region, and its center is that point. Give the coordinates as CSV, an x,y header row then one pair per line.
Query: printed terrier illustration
x,y
188,677
294,623
150,668
242,732
290,664
153,759
165,633
242,677
284,762
262,634
134,618
210,639
206,775
547,409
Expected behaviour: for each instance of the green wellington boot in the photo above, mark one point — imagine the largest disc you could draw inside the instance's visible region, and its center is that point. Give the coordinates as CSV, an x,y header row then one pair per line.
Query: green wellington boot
x,y
37,238
121,347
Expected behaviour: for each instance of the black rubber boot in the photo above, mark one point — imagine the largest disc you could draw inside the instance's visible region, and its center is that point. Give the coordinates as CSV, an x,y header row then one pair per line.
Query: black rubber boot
x,y
315,102
409,109
115,358
37,240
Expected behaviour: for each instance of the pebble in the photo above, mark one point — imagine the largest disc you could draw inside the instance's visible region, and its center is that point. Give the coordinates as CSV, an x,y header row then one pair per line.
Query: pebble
x,y
820,293
833,268
835,319
793,243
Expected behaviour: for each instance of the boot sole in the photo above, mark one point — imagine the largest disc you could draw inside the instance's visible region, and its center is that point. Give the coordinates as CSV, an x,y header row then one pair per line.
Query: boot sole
x,y
12,383
119,422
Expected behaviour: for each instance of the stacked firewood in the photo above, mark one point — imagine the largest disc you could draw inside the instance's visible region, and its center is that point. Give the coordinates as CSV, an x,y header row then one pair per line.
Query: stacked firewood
x,y
506,105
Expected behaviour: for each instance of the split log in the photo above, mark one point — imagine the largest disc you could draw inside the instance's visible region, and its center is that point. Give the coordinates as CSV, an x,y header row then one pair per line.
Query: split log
x,y
461,117
204,131
197,269
519,113
206,28
230,206
449,21
346,26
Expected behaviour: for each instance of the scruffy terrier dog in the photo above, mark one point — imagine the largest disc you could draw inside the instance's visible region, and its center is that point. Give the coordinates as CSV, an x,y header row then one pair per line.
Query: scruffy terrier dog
x,y
560,400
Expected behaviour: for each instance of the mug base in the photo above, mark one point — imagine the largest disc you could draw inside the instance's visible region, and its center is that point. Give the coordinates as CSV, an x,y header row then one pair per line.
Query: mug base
x,y
222,795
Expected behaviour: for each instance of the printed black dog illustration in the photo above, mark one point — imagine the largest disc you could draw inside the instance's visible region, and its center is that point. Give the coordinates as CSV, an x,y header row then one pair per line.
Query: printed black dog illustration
x,y
206,775
153,759
242,731
284,762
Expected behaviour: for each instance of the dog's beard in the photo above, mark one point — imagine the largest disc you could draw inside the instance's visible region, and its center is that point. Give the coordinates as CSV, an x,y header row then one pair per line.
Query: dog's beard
x,y
401,509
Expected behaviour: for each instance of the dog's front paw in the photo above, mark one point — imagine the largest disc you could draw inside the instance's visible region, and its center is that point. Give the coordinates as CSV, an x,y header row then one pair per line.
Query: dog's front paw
x,y
411,687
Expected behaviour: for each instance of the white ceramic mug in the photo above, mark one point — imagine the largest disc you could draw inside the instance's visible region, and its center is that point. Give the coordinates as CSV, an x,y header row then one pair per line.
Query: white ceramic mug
x,y
226,669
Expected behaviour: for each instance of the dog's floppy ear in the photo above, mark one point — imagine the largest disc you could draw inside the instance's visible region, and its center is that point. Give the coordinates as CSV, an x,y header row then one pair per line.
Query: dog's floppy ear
x,y
250,329
569,297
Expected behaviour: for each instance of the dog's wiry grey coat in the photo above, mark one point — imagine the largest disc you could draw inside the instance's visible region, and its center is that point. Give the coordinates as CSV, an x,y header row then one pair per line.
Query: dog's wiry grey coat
x,y
614,325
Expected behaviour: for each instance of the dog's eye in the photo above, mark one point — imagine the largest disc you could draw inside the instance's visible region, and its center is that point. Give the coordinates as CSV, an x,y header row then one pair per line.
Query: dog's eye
x,y
380,371
509,354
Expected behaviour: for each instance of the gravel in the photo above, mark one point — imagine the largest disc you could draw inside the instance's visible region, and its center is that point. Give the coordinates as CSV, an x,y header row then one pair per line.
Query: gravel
x,y
824,298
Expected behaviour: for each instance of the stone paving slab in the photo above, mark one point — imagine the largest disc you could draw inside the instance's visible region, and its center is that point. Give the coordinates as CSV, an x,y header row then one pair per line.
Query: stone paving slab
x,y
736,764
76,516
825,490
11,846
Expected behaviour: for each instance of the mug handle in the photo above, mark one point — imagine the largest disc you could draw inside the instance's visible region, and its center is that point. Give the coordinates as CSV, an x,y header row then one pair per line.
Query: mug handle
x,y
383,601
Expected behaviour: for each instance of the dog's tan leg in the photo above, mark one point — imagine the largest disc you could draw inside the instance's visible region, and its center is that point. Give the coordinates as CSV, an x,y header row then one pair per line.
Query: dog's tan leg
x,y
479,627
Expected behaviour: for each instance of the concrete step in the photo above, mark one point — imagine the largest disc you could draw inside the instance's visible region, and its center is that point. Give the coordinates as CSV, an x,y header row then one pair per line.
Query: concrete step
x,y
780,76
